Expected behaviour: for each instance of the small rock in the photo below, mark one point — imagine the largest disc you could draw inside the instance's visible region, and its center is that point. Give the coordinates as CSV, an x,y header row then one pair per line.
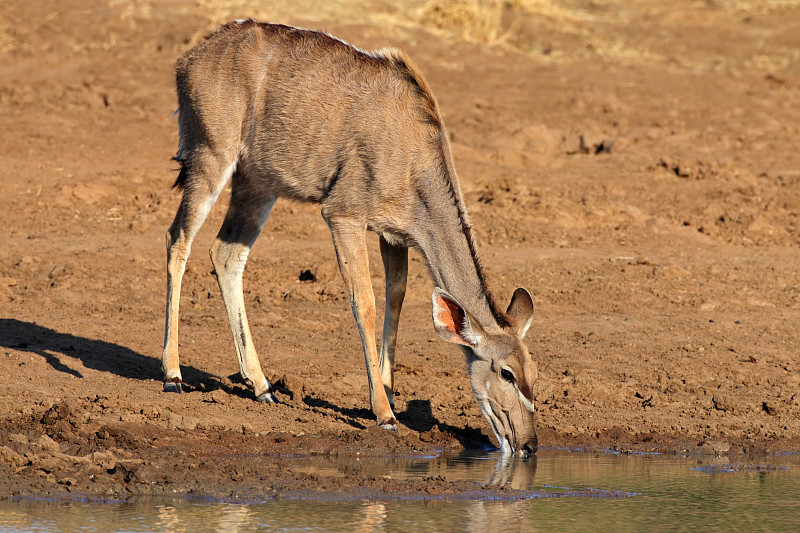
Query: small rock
x,y
59,411
92,470
715,446
770,407
104,460
48,445
18,438
68,481
572,144
723,402
776,79
187,423
176,421
91,193
591,141
9,456
617,145
219,396
289,385
6,294
47,463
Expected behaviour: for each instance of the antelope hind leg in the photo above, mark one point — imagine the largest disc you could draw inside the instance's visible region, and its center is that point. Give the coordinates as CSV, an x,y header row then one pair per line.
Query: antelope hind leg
x,y
395,264
202,190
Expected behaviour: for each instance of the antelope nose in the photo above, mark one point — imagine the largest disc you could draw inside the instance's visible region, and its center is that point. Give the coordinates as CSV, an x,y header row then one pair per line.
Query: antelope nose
x,y
529,447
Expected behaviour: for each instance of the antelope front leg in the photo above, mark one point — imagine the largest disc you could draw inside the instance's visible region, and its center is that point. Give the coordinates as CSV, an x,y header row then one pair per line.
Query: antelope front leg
x,y
395,264
351,251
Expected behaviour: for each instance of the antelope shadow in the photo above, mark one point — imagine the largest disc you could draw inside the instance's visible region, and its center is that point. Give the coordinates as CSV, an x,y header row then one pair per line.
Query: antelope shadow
x,y
121,361
53,346
418,416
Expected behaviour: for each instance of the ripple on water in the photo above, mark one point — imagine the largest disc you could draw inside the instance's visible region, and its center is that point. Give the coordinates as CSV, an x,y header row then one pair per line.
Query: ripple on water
x,y
739,467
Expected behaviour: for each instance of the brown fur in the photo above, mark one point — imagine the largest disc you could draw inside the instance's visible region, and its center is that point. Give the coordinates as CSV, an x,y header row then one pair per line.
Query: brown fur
x,y
284,112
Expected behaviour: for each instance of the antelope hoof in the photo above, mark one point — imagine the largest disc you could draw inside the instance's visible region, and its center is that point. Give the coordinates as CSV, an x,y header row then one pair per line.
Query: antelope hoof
x,y
268,397
173,386
391,425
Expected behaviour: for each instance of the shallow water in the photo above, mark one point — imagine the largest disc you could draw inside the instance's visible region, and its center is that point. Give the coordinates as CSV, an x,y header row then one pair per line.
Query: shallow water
x,y
645,492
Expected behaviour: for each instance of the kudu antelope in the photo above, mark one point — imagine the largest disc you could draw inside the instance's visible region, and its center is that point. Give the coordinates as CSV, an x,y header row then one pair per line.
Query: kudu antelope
x,y
278,111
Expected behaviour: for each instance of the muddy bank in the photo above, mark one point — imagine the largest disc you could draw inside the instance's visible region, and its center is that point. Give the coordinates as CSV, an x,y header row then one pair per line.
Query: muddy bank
x,y
73,449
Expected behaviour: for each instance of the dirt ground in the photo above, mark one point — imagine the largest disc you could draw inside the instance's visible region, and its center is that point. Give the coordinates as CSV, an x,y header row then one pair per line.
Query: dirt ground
x,y
633,164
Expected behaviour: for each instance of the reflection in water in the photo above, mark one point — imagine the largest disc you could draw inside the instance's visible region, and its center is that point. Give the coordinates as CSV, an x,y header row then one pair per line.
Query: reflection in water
x,y
480,516
499,516
235,518
231,518
167,518
515,473
374,518
672,496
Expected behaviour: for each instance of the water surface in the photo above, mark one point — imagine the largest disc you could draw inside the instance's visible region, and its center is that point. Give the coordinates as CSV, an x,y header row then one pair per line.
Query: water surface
x,y
638,493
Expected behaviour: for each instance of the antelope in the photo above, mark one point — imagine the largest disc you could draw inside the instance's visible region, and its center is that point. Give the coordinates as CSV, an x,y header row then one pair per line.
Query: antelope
x,y
278,111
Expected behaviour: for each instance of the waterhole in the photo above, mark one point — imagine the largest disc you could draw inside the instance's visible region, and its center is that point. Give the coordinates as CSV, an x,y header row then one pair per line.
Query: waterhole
x,y
554,491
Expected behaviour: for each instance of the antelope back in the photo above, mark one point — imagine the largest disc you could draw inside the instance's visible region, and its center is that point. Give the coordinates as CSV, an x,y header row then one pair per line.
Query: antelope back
x,y
310,117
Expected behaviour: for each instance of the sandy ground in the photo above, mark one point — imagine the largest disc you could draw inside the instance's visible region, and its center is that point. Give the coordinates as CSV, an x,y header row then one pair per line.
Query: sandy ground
x,y
633,164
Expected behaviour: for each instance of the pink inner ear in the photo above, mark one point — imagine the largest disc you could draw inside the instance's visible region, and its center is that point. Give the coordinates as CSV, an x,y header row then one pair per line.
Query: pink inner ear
x,y
452,318
446,319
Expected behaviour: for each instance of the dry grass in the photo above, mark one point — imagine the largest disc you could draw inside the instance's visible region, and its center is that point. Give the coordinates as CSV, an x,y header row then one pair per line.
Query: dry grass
x,y
519,24
760,6
555,31
470,19
495,21
487,21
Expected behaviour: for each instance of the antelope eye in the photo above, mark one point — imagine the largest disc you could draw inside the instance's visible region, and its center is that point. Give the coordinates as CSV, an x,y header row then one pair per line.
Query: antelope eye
x,y
507,375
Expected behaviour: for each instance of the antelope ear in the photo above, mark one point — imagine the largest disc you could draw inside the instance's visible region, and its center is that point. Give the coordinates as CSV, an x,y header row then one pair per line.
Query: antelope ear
x,y
453,323
521,311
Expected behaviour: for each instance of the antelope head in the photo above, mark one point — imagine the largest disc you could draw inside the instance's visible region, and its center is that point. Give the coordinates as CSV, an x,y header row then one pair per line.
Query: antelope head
x,y
501,371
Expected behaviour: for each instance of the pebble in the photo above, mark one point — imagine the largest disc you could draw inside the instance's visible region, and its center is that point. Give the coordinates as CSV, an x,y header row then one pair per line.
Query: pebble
x,y
771,407
723,402
219,396
47,444
716,446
